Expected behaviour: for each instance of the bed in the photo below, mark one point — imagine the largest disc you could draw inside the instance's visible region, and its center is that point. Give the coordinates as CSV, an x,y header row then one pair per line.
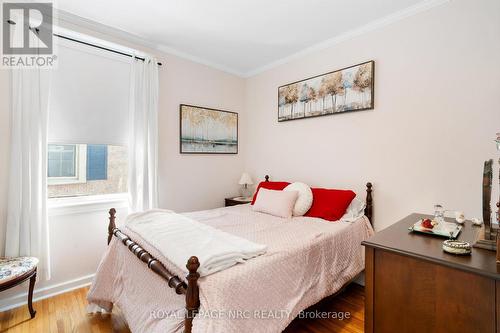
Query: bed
x,y
307,260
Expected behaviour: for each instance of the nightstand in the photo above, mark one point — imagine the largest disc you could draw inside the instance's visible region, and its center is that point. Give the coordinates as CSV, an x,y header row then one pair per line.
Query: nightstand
x,y
237,201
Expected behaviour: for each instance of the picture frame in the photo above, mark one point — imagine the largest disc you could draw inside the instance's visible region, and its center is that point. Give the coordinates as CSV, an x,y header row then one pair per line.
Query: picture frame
x,y
204,130
344,90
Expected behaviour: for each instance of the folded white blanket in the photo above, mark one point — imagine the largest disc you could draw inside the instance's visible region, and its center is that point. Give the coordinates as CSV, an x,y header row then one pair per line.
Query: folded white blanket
x,y
178,237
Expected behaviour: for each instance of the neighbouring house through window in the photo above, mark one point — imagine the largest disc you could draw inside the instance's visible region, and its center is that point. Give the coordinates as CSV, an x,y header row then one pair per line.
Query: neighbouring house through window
x,y
86,169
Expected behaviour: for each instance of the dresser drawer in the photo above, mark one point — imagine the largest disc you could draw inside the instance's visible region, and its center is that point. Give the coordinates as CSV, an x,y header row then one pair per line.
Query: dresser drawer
x,y
414,295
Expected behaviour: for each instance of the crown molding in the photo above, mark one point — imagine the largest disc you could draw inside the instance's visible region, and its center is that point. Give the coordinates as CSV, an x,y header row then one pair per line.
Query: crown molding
x,y
100,28
420,7
61,15
199,60
374,25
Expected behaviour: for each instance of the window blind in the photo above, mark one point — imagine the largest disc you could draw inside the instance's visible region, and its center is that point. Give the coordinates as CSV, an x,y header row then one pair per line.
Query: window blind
x,y
89,96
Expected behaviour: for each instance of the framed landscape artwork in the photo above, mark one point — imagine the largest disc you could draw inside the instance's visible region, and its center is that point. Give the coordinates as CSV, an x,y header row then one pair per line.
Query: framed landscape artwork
x,y
208,131
344,90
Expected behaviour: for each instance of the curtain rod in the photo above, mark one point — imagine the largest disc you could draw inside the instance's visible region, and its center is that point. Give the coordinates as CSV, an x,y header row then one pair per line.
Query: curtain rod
x,y
100,47
89,44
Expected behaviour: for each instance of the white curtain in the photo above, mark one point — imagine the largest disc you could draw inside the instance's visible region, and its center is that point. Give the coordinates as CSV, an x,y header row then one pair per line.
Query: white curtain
x,y
143,135
27,232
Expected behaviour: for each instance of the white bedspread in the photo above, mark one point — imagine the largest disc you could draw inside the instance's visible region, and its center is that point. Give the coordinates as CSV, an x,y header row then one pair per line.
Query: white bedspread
x,y
174,235
307,259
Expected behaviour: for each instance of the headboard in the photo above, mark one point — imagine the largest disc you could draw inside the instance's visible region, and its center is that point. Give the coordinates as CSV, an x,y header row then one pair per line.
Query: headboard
x,y
369,200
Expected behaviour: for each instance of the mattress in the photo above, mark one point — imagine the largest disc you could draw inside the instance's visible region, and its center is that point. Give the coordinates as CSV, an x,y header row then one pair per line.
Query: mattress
x,y
307,260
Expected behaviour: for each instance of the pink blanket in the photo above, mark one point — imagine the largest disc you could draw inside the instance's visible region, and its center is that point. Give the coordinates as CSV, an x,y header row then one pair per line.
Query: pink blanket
x,y
307,259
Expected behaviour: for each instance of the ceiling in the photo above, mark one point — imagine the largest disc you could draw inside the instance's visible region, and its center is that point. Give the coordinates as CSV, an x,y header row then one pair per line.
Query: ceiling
x,y
242,36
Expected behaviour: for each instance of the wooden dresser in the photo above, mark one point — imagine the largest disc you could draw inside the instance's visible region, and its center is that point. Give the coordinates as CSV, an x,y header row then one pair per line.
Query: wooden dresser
x,y
412,285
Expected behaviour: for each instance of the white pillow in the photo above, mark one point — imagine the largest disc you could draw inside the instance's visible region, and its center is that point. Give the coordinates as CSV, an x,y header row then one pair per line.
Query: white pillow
x,y
305,199
277,203
355,210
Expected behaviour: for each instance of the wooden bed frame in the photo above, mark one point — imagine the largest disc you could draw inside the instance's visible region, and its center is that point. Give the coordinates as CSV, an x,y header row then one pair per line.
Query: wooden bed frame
x,y
191,288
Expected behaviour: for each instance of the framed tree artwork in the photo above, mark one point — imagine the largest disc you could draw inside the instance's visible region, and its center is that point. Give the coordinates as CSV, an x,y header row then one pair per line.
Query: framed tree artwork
x,y
344,90
207,131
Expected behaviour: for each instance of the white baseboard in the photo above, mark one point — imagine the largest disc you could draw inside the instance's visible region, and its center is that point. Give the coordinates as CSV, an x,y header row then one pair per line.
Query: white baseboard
x,y
45,292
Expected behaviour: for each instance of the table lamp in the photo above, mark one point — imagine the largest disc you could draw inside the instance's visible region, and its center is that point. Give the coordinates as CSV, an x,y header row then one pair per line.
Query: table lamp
x,y
245,180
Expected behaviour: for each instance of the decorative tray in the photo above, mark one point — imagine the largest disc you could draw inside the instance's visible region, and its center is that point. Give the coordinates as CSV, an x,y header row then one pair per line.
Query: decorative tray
x,y
444,229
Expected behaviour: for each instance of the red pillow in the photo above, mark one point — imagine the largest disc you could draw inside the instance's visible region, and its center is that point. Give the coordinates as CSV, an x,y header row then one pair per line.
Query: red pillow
x,y
278,186
330,204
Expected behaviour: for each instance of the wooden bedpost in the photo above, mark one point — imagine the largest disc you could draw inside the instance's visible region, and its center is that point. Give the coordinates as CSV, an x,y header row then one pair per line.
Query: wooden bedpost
x,y
192,293
369,203
266,178
111,225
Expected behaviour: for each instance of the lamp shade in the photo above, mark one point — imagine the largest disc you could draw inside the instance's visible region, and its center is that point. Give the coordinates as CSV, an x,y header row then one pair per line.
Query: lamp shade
x,y
245,179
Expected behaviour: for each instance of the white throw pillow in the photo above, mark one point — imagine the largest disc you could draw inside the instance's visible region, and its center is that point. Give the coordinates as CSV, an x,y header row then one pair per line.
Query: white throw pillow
x,y
277,203
305,199
355,210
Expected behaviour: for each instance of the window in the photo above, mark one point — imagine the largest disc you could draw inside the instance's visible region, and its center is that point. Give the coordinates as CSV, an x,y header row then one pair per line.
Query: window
x,y
62,161
88,122
66,164
86,169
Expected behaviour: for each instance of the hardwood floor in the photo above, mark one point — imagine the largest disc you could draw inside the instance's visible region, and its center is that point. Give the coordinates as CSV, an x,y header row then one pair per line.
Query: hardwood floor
x,y
67,313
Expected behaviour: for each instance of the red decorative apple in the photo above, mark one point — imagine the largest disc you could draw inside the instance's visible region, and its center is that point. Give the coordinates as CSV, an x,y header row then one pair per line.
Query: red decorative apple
x,y
427,223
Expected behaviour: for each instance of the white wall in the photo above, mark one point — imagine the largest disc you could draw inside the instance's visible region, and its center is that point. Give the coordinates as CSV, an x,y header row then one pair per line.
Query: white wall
x,y
194,182
186,182
437,109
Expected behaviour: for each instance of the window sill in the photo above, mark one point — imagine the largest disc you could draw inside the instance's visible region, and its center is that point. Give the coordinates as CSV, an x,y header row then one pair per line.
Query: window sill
x,y
86,204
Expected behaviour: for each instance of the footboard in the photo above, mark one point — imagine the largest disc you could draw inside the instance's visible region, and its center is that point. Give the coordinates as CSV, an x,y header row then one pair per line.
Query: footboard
x,y
190,290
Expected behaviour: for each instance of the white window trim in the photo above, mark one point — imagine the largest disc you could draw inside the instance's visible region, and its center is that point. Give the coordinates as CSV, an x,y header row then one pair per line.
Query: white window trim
x,y
81,169
86,204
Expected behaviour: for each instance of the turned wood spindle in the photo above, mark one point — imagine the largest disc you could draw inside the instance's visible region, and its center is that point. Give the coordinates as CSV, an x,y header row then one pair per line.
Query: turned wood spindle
x,y
369,203
192,293
111,225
